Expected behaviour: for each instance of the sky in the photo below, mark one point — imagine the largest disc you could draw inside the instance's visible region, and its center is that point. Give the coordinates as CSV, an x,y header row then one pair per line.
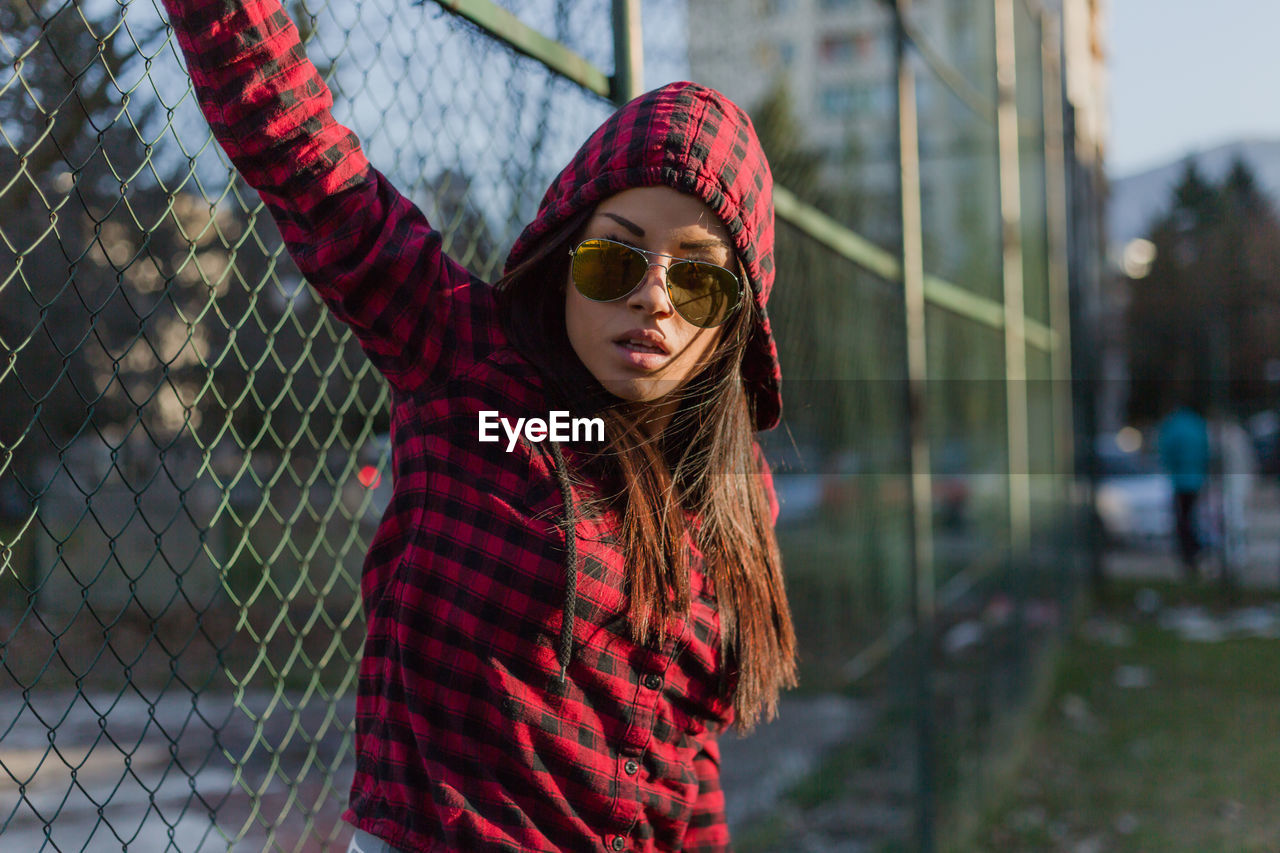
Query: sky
x,y
1188,75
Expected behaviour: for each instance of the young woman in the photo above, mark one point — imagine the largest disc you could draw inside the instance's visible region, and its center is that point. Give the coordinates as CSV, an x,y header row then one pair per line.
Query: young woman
x,y
558,629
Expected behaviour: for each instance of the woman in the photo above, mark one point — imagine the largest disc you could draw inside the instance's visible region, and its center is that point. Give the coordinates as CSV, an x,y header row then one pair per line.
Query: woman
x,y
557,630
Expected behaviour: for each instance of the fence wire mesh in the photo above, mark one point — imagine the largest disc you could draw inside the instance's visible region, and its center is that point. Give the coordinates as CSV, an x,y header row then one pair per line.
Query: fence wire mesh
x,y
193,448
194,451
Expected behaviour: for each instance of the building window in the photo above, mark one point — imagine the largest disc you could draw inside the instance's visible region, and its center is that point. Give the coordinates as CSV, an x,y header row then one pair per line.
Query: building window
x,y
836,101
849,47
845,100
771,54
836,49
867,44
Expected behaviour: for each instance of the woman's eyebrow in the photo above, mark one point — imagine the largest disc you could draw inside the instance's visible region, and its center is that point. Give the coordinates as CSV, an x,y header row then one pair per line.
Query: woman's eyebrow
x,y
627,224
713,243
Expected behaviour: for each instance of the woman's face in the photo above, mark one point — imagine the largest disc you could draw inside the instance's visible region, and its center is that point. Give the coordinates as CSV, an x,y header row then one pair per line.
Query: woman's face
x,y
638,347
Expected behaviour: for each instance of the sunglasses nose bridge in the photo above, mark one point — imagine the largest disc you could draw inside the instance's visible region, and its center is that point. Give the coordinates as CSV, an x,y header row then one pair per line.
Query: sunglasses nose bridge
x,y
653,259
663,282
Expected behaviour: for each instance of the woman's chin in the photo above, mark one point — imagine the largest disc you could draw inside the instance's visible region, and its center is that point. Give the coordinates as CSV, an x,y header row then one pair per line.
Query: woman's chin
x,y
639,390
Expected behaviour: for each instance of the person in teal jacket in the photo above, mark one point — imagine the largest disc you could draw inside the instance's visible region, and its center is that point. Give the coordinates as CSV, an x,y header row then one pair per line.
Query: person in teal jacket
x,y
1184,453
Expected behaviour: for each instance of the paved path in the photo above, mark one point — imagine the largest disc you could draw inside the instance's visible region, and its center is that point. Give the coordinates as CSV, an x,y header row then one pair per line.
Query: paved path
x,y
758,769
96,771
183,774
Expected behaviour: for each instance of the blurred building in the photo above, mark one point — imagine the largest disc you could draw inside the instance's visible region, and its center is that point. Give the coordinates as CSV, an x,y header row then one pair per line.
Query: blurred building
x,y
835,59
1088,82
833,62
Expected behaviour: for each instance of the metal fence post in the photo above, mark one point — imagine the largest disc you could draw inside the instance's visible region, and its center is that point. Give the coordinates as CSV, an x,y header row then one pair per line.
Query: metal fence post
x,y
921,505
628,51
1015,341
1056,213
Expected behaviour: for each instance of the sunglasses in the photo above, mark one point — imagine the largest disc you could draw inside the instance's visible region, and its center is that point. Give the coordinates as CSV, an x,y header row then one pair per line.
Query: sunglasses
x,y
702,293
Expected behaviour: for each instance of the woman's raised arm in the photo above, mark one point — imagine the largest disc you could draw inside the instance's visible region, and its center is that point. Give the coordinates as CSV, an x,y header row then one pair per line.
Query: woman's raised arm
x,y
367,250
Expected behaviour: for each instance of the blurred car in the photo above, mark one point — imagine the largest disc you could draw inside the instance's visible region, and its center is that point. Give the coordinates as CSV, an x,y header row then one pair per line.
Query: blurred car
x,y
1134,498
834,486
797,485
799,495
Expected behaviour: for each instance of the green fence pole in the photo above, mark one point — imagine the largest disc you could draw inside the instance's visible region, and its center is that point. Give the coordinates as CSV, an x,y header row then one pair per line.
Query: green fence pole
x,y
1015,344
510,30
1055,178
913,299
628,51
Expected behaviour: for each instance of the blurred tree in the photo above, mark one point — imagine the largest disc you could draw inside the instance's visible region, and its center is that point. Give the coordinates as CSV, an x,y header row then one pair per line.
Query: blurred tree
x,y
72,176
468,238
1251,275
146,301
129,299
808,293
1205,320
842,389
794,165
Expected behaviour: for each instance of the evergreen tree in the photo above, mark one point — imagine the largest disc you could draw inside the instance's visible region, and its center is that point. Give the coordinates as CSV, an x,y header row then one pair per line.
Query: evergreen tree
x,y
837,398
1204,322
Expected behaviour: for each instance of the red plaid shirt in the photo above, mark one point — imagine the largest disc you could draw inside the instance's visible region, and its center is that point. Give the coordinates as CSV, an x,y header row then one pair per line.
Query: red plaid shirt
x,y
467,738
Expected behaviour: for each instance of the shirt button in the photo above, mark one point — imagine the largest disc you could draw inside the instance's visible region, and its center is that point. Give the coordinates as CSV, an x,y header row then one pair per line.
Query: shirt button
x,y
652,681
618,842
631,767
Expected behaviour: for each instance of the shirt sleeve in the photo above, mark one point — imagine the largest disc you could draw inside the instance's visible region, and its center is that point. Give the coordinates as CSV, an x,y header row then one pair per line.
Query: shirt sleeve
x,y
370,253
708,830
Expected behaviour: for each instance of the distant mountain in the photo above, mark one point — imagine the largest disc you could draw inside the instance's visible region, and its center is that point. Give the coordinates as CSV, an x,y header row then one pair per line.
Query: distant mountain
x,y
1137,199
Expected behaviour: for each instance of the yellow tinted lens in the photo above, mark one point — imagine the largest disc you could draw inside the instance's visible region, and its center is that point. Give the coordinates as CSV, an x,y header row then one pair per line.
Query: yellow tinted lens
x,y
604,271
704,294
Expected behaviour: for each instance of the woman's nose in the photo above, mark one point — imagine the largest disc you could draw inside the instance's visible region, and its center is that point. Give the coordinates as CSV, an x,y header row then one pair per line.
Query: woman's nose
x,y
651,293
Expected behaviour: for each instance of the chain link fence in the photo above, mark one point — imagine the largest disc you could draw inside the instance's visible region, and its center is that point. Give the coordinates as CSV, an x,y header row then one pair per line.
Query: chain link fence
x,y
194,451
939,220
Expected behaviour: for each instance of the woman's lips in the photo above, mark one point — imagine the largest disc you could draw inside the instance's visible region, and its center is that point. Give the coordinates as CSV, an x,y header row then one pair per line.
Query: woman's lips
x,y
645,349
641,355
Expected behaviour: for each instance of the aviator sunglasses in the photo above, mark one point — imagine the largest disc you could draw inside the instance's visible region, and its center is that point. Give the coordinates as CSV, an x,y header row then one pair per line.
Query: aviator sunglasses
x,y
705,294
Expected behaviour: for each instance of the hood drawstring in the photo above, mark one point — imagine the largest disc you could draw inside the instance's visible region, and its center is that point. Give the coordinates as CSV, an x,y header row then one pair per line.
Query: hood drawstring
x,y
565,653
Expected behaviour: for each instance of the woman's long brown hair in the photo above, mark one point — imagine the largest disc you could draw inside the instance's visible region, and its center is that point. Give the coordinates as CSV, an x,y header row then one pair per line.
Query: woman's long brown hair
x,y
704,464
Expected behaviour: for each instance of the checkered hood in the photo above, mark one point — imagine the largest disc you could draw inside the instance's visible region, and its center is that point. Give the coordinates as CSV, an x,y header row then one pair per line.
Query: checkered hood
x,y
695,140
